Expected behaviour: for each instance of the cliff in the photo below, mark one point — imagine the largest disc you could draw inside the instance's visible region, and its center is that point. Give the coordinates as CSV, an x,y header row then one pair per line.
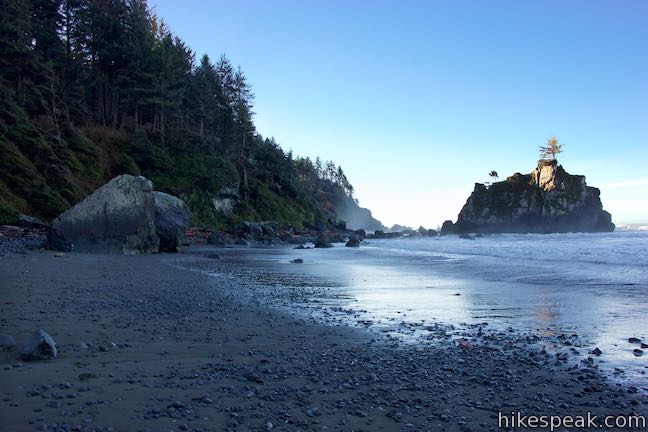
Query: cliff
x,y
356,217
546,201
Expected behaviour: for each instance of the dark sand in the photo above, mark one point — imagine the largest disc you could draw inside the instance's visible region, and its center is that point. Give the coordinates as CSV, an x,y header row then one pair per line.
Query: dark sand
x,y
145,345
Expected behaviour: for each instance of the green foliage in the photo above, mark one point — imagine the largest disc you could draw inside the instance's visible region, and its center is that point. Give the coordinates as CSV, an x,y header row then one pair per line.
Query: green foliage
x,y
126,165
90,90
8,214
8,205
551,149
203,214
17,171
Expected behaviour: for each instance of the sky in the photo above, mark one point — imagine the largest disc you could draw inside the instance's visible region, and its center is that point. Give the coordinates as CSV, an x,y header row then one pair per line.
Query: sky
x,y
418,100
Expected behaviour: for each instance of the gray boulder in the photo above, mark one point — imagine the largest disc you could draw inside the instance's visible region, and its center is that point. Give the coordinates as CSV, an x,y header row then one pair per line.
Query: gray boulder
x,y
40,346
217,238
322,241
171,218
353,242
117,217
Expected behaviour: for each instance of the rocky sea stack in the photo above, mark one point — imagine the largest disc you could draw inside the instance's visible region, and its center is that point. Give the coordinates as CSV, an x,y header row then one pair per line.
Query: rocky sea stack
x,y
548,200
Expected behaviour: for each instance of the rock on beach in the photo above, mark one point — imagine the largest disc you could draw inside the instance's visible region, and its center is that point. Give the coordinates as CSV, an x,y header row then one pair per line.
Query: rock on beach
x,y
40,346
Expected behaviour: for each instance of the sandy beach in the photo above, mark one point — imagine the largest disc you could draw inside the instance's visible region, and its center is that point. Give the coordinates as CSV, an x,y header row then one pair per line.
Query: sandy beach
x,y
145,345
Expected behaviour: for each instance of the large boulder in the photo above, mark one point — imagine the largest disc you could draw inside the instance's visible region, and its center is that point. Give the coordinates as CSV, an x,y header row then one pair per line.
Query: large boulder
x,y
171,218
117,217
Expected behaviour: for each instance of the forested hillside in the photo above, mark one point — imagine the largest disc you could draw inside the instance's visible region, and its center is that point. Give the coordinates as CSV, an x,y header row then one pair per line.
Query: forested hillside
x,y
95,88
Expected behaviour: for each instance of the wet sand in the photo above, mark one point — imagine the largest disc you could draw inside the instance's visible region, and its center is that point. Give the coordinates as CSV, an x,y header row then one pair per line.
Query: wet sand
x,y
145,345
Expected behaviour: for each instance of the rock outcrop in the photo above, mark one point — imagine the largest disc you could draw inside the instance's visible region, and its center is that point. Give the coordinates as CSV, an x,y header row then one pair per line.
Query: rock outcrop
x,y
545,201
226,201
345,208
448,227
424,232
123,216
171,218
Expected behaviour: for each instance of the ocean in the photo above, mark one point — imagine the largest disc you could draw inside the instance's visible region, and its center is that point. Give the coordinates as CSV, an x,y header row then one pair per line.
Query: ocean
x,y
576,292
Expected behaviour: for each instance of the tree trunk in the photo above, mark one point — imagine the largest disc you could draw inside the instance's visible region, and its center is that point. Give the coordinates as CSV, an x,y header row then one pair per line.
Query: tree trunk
x,y
162,127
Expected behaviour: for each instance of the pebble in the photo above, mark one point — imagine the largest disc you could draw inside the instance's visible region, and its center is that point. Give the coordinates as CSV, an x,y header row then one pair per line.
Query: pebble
x,y
364,380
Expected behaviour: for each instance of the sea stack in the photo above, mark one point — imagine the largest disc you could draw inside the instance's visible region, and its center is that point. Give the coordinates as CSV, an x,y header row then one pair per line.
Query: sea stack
x,y
549,200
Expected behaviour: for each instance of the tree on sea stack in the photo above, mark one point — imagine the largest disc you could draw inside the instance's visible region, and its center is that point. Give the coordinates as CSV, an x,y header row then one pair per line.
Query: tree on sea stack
x,y
551,149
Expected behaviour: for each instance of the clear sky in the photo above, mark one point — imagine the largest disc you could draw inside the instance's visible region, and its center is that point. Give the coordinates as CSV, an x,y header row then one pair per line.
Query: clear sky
x,y
418,100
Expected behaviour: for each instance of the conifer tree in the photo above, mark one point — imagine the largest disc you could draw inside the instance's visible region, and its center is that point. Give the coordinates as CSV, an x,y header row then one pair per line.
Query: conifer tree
x,y
551,149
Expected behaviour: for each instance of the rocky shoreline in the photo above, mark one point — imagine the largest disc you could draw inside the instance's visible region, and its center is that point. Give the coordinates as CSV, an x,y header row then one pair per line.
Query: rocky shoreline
x,y
162,348
35,235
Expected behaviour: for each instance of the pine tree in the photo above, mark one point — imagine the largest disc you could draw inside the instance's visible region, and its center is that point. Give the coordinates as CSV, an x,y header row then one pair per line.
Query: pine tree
x,y
207,93
137,80
551,149
242,110
97,88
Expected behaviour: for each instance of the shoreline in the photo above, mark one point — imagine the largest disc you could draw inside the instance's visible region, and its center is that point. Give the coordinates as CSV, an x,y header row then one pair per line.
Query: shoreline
x,y
189,355
355,288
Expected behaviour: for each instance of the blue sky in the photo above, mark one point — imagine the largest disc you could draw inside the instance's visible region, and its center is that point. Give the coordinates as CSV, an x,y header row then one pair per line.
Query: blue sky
x,y
418,100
